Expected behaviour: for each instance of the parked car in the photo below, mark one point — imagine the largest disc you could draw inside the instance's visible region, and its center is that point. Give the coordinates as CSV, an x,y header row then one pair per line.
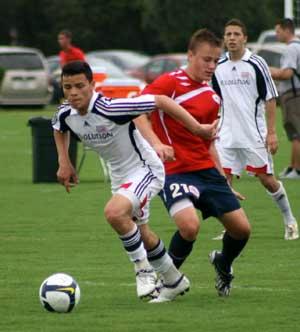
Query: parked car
x,y
110,79
271,53
269,36
25,77
158,65
124,59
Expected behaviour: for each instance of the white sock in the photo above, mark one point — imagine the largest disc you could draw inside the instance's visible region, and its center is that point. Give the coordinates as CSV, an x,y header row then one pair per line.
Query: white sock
x,y
142,265
281,200
133,245
163,264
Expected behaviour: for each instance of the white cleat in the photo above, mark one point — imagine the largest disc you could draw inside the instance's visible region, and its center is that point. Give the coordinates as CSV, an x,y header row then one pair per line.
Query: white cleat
x,y
145,282
169,292
291,232
291,175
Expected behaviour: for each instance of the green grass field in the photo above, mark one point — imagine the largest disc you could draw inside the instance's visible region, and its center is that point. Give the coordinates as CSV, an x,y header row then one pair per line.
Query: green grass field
x,y
44,230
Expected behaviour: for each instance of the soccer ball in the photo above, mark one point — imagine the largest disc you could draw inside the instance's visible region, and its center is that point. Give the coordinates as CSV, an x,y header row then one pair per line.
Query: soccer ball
x,y
60,293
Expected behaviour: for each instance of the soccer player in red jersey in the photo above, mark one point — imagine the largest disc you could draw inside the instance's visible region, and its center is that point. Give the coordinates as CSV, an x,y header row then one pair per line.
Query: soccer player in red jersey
x,y
68,52
194,177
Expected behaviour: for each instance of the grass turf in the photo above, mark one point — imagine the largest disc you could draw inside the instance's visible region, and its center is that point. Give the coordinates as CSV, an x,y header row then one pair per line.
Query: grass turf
x,y
44,230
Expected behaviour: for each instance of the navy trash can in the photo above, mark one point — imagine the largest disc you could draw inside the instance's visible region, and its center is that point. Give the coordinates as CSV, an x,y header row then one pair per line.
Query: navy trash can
x,y
44,154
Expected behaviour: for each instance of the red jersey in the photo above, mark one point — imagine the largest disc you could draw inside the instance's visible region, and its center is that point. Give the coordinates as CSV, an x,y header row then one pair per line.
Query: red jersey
x,y
200,100
72,54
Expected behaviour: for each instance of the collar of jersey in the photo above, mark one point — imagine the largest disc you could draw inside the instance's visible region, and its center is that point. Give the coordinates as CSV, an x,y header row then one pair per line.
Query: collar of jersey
x,y
245,57
91,104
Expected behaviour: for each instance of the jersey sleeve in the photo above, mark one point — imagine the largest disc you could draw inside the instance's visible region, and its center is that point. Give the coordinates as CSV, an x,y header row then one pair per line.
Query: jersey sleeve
x,y
59,119
289,58
265,84
163,85
122,110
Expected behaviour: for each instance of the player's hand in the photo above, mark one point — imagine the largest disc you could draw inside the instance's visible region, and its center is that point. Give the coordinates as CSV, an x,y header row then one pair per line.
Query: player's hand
x,y
165,152
238,195
272,143
208,131
66,175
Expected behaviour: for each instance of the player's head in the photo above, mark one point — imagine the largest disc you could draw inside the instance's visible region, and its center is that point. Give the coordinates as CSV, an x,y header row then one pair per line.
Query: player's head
x,y
78,85
285,30
64,38
204,51
235,35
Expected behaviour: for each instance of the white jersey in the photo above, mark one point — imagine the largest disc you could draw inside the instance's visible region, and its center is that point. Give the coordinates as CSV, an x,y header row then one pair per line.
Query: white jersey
x,y
107,129
244,86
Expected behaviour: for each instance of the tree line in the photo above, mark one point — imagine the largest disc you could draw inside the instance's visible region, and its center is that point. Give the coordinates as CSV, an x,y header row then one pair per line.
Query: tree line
x,y
151,26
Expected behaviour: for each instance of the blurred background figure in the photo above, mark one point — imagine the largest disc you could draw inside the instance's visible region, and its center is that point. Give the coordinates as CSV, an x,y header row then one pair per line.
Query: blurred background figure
x,y
68,51
289,90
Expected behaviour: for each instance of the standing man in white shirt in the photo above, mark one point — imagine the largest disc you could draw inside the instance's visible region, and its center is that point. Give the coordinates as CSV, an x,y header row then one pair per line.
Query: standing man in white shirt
x,y
289,90
137,174
247,140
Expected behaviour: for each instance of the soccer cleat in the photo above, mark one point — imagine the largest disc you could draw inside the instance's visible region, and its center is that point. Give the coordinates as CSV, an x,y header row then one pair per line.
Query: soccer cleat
x,y
219,237
169,292
291,232
223,279
294,174
285,172
145,282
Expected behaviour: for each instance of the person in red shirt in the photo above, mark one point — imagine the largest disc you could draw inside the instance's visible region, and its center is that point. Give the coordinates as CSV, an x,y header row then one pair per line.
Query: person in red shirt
x,y
68,52
194,176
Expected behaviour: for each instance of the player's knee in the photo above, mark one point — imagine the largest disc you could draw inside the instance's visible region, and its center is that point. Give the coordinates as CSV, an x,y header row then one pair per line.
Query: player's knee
x,y
189,230
113,214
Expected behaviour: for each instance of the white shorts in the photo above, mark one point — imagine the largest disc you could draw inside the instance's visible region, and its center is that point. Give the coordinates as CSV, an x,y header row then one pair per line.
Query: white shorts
x,y
253,160
140,187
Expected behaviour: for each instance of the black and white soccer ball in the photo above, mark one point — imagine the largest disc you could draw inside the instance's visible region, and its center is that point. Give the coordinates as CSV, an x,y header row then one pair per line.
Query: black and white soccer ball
x,y
59,293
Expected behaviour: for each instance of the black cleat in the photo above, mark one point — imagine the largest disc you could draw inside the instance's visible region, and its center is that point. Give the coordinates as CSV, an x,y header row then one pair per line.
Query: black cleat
x,y
223,279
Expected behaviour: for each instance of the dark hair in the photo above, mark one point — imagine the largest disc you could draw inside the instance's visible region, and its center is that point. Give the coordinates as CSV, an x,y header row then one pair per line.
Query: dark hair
x,y
67,33
77,67
286,24
239,23
203,36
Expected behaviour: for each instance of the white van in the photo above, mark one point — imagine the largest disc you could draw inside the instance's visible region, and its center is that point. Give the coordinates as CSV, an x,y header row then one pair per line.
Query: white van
x,y
24,77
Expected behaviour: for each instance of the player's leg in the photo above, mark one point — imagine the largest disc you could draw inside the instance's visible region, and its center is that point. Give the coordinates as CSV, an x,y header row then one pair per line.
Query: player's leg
x,y
259,162
188,224
291,124
232,166
173,281
234,240
278,193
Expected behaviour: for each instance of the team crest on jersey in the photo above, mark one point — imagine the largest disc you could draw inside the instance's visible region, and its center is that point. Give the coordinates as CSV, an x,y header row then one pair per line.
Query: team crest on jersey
x,y
245,74
101,129
216,98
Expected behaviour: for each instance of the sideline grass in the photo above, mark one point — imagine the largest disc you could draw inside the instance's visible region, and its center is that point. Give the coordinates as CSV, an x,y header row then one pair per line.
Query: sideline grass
x,y
43,230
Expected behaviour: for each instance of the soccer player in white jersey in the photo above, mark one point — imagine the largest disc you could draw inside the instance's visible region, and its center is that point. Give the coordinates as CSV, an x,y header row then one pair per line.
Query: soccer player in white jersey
x,y
137,173
247,140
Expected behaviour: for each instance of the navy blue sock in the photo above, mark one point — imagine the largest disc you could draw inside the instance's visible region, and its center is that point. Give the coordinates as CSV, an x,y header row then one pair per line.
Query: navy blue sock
x,y
231,249
179,249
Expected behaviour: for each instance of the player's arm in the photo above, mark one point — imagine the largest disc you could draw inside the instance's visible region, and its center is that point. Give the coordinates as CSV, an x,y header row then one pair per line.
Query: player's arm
x,y
66,172
215,157
169,106
281,73
271,139
165,152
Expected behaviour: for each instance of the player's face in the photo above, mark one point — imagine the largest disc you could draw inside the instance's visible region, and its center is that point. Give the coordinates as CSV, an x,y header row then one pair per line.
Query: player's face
x,y
63,41
234,38
78,91
203,61
280,33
